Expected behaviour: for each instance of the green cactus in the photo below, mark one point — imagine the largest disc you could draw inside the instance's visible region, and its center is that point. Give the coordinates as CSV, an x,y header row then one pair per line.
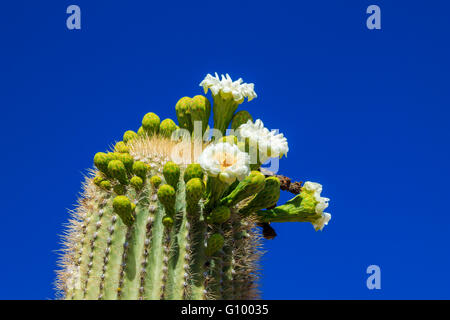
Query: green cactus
x,y
148,228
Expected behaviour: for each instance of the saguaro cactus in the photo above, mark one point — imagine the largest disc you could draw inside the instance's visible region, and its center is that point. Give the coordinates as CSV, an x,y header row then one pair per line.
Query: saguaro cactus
x,y
152,224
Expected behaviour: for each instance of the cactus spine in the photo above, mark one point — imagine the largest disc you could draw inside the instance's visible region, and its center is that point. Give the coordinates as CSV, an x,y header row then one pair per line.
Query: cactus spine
x,y
152,224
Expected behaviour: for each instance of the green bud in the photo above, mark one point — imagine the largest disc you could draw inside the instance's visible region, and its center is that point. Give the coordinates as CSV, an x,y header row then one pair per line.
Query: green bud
x,y
121,147
195,188
214,244
182,109
127,160
167,195
123,207
167,127
155,181
150,123
105,184
266,198
171,172
219,215
251,185
133,207
98,179
200,110
120,189
140,169
240,118
112,156
193,170
167,222
137,183
141,131
117,170
129,135
101,161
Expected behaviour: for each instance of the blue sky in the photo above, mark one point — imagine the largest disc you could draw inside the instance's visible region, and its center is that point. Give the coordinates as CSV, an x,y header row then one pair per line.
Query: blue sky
x,y
366,113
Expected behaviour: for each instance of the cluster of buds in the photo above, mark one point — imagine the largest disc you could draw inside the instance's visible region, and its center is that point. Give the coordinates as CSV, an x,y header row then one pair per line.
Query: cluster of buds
x,y
225,175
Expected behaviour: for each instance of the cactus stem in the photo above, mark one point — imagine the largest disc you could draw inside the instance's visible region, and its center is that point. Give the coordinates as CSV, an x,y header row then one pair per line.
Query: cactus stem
x,y
99,252
135,253
227,263
155,264
89,231
118,235
147,246
197,231
176,288
123,265
214,287
165,269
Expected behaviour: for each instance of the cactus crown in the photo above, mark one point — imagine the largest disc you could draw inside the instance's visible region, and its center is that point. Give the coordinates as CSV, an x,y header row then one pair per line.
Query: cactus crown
x,y
156,224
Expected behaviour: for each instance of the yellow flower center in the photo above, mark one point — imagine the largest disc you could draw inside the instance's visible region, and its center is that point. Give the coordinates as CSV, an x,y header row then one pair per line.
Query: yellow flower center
x,y
225,160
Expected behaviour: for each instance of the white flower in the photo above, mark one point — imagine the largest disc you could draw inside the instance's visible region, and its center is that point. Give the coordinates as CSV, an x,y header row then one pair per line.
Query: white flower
x,y
322,222
227,87
270,143
225,161
322,204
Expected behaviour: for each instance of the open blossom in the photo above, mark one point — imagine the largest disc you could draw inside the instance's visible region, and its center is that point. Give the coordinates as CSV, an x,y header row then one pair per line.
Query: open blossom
x,y
270,143
322,203
226,86
225,161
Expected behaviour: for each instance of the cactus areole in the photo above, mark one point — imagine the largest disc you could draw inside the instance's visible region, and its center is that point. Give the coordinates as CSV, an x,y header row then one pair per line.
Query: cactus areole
x,y
165,215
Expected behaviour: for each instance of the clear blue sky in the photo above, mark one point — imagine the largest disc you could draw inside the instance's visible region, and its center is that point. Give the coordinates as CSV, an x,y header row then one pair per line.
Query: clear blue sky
x,y
366,114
